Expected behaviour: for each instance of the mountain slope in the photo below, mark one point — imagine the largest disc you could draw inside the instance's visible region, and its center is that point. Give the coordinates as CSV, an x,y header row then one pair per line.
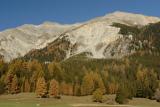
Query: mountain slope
x,y
17,42
50,41
100,38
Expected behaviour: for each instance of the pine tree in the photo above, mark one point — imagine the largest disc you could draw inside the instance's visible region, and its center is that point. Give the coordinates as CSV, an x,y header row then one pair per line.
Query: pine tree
x,y
14,86
41,88
54,89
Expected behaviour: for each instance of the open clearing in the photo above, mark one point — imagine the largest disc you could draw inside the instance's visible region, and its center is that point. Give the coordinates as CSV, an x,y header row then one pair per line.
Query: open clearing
x,y
29,100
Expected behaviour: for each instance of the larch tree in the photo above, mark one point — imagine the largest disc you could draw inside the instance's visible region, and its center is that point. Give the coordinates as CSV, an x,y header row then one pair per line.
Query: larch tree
x,y
70,89
66,88
112,88
87,86
8,82
98,83
147,82
14,86
41,88
54,89
63,88
26,85
98,95
55,71
35,68
77,89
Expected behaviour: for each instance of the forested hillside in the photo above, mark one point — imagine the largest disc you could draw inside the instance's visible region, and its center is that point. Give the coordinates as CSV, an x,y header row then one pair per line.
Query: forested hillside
x,y
136,75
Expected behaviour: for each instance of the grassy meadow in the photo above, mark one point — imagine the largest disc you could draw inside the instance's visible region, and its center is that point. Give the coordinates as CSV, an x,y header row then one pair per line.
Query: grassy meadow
x,y
29,100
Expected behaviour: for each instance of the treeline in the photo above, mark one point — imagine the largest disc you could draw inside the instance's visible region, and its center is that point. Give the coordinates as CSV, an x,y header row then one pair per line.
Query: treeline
x,y
123,78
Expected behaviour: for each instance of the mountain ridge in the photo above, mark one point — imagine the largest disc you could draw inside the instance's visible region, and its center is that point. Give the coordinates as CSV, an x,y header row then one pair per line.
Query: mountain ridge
x,y
19,41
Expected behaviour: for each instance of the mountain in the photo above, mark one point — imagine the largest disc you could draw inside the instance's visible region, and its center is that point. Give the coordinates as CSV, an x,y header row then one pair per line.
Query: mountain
x,y
18,41
98,38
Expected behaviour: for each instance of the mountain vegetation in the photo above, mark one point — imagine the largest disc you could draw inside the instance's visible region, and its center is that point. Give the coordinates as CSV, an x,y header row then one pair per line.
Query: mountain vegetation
x,y
135,75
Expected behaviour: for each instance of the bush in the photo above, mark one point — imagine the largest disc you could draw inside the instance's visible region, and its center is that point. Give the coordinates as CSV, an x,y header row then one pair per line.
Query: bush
x,y
121,96
98,95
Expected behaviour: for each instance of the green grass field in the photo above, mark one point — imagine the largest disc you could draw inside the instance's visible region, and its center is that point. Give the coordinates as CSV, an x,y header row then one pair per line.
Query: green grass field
x,y
29,100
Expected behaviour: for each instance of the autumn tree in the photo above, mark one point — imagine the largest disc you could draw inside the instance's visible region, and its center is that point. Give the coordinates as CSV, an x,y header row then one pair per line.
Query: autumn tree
x,y
98,83
66,88
36,70
146,82
87,86
26,85
16,68
14,85
55,71
70,89
8,82
41,88
98,95
63,88
112,88
77,89
54,89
